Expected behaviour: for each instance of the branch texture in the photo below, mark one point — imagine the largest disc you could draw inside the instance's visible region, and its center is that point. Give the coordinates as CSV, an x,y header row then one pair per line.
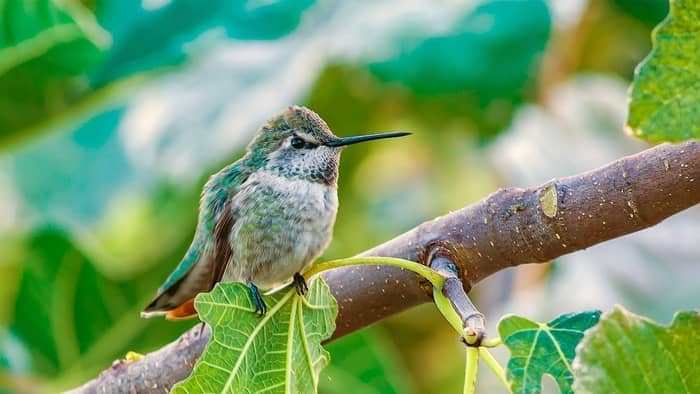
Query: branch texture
x,y
510,227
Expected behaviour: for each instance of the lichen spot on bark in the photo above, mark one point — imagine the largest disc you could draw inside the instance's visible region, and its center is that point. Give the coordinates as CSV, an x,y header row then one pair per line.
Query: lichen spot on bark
x,y
549,200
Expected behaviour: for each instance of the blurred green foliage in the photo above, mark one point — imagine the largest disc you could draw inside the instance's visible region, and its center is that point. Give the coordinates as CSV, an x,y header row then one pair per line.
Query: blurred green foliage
x,y
45,47
57,56
113,114
366,362
500,39
139,47
70,316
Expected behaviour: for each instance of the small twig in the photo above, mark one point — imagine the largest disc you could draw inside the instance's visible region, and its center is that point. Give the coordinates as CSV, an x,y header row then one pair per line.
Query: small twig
x,y
473,322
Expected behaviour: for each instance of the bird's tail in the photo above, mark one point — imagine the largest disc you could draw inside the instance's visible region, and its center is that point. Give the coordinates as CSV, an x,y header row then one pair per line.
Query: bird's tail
x,y
183,311
175,299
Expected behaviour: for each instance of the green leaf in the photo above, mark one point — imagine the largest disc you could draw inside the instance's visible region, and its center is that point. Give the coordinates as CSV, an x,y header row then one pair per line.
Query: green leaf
x,y
543,348
665,94
278,353
626,353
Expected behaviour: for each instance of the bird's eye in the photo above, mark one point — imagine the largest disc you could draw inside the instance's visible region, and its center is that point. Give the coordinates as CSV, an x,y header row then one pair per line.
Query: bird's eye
x,y
298,143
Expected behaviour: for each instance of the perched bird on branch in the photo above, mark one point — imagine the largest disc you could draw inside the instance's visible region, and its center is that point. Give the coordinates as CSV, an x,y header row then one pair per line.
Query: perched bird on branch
x,y
264,218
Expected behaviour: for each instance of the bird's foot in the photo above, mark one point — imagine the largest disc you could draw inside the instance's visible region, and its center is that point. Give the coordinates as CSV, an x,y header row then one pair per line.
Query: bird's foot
x,y
300,284
260,307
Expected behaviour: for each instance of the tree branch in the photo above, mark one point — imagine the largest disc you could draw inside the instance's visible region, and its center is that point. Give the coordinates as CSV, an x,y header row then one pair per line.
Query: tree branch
x,y
510,227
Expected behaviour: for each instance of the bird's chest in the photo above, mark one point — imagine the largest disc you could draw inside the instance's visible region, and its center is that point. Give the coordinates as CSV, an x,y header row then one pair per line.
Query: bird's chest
x,y
281,225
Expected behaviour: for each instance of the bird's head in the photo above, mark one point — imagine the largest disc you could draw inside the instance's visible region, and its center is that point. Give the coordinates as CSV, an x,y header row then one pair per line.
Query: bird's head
x,y
297,143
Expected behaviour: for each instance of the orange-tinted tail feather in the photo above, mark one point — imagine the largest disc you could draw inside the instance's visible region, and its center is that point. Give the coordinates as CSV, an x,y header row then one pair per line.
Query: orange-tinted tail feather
x,y
184,311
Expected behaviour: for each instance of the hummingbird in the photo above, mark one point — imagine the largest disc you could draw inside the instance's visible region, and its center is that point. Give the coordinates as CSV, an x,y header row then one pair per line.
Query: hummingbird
x,y
264,218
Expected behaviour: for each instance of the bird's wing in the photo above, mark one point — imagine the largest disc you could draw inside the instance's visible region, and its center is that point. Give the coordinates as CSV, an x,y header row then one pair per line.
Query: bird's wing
x,y
222,245
205,261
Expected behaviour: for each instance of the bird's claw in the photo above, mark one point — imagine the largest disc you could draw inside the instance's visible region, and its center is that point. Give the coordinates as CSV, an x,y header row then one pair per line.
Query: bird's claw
x,y
300,284
260,306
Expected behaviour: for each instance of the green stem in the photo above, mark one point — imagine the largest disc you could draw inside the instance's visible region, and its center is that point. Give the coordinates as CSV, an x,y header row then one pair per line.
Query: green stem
x,y
448,311
493,342
443,304
433,277
495,367
470,370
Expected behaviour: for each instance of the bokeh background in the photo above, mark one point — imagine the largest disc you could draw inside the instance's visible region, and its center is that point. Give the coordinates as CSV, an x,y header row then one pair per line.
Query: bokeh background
x,y
113,113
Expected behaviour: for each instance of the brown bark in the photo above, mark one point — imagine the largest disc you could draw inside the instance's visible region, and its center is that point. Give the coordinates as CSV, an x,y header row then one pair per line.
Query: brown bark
x,y
510,227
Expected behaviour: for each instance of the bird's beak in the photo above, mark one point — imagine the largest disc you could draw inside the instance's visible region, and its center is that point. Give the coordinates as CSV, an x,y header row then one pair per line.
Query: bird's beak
x,y
362,138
